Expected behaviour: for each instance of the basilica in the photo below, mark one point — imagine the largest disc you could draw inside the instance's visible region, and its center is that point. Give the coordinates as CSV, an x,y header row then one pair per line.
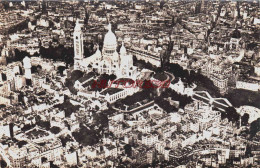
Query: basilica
x,y
108,61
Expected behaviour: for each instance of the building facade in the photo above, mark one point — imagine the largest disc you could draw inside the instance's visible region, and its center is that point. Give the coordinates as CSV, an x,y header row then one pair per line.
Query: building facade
x,y
108,61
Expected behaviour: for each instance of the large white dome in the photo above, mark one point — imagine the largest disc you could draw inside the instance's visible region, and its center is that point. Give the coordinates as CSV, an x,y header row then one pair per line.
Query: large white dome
x,y
110,42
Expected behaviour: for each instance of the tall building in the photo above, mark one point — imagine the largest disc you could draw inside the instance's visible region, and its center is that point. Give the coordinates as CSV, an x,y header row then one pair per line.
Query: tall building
x,y
78,45
4,54
27,70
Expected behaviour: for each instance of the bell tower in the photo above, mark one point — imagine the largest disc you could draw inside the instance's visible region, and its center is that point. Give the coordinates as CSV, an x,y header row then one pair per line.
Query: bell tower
x,y
27,70
78,45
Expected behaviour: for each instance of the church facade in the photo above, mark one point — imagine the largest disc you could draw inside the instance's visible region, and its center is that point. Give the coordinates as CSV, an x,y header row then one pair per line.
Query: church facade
x,y
108,61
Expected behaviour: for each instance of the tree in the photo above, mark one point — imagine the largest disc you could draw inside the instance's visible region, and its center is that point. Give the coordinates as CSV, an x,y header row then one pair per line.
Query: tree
x,y
231,114
43,159
143,64
3,164
19,55
87,14
244,119
248,151
21,143
4,78
65,139
27,127
52,165
44,124
34,69
112,77
249,98
165,105
254,127
76,74
18,27
86,136
183,99
96,108
55,130
61,69
165,54
128,150
162,57
70,85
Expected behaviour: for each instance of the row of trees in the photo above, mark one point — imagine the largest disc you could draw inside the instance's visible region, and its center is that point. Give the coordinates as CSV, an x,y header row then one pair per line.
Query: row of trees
x,y
190,77
143,64
58,53
254,128
19,27
183,99
137,97
86,136
232,115
165,105
18,56
240,97
75,75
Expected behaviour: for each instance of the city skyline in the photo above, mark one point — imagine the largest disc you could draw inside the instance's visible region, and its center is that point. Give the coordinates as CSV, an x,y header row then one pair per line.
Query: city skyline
x,y
129,84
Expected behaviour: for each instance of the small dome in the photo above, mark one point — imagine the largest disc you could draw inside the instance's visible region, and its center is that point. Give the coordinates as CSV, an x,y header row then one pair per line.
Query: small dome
x,y
110,42
27,62
122,49
98,52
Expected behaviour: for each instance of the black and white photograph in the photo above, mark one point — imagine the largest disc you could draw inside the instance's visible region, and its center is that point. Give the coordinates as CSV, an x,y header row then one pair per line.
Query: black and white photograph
x,y
129,84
